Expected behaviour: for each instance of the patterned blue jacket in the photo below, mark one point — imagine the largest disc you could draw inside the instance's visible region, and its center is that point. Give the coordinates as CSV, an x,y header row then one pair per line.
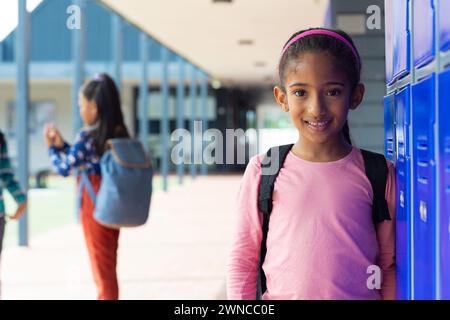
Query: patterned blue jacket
x,y
80,154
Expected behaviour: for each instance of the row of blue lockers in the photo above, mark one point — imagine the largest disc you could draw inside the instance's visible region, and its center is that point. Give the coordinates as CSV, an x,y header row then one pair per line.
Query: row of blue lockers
x,y
399,30
417,139
417,219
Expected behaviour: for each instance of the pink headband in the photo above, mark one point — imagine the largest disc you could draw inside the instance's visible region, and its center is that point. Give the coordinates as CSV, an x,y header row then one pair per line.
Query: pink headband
x,y
321,32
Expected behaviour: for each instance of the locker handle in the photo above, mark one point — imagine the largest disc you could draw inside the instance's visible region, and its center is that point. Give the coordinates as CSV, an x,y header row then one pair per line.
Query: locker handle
x,y
402,199
423,211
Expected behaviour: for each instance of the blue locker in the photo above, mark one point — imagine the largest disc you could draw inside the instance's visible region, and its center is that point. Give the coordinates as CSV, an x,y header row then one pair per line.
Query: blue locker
x,y
402,39
424,203
389,127
444,188
397,39
424,24
444,10
389,40
403,205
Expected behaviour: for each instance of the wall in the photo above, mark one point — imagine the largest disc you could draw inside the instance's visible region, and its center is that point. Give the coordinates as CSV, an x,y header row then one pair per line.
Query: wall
x,y
366,122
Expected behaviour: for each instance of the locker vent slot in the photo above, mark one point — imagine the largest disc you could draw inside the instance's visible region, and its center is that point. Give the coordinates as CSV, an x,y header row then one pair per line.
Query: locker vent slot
x,y
423,164
422,180
422,146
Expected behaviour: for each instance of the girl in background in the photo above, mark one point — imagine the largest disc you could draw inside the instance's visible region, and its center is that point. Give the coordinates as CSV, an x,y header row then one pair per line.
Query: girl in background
x,y
9,182
103,119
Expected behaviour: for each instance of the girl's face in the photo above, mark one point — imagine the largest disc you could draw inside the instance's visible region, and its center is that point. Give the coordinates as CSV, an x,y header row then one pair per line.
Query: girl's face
x,y
317,96
88,110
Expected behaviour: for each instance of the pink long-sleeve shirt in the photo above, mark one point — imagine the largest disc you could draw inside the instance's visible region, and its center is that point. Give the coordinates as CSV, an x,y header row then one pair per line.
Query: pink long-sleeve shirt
x,y
322,241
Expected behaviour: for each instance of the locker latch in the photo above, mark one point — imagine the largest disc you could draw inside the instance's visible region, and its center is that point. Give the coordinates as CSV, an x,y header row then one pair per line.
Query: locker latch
x,y
423,211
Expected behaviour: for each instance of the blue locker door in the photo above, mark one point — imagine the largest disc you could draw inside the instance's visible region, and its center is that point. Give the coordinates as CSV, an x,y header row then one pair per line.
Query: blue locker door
x,y
403,234
402,35
389,127
397,39
444,188
424,24
444,9
389,40
423,106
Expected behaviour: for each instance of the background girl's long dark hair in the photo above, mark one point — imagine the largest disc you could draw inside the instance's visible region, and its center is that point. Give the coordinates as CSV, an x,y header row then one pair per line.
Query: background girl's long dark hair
x,y
339,51
111,124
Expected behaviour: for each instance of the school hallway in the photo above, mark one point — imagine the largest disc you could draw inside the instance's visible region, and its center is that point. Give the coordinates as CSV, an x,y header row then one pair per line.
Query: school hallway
x,y
195,85
179,254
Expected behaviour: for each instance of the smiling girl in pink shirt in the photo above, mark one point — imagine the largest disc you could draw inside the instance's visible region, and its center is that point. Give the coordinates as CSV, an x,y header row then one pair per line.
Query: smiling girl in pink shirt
x,y
321,240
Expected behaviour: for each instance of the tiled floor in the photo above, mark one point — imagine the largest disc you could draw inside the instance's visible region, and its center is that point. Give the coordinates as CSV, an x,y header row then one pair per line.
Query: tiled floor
x,y
180,253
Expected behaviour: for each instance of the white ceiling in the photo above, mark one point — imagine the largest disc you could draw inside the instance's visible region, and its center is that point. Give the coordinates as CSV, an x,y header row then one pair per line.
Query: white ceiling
x,y
207,33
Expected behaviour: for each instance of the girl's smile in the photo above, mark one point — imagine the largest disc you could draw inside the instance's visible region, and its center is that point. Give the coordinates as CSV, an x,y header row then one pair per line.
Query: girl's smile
x,y
318,126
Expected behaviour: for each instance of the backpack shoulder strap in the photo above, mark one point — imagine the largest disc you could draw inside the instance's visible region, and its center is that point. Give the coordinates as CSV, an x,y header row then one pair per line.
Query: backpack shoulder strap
x,y
268,177
85,183
267,184
377,171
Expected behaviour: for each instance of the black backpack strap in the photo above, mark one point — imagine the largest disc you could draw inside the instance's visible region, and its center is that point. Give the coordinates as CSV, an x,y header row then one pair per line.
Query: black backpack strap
x,y
377,172
2,139
265,203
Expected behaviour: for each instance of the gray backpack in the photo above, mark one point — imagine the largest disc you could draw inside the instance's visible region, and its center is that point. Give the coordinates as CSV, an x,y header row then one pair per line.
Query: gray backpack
x,y
126,187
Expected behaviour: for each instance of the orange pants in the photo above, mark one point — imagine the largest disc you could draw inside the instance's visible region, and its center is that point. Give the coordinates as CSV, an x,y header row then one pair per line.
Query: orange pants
x,y
102,244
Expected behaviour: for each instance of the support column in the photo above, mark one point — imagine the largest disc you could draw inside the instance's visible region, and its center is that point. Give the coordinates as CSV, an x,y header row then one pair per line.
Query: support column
x,y
117,49
78,60
22,103
193,97
143,92
165,116
204,98
180,112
